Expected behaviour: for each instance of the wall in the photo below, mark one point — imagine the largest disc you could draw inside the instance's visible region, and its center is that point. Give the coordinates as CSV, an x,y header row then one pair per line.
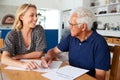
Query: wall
x,y
70,4
39,3
52,19
55,4
7,9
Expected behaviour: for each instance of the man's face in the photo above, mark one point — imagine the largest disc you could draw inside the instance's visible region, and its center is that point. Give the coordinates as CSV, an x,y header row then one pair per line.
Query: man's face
x,y
75,28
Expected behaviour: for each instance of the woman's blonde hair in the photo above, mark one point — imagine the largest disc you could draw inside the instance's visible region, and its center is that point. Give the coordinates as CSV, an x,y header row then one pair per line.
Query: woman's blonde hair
x,y
18,24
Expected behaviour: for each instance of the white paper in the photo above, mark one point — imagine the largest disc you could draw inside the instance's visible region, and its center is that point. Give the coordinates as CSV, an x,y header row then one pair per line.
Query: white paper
x,y
52,75
65,73
54,66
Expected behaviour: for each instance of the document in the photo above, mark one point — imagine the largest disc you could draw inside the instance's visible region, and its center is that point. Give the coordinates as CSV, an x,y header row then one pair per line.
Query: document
x,y
54,66
65,73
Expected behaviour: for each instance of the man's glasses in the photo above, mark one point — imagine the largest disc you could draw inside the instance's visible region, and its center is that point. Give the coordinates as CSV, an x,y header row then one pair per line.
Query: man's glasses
x,y
73,24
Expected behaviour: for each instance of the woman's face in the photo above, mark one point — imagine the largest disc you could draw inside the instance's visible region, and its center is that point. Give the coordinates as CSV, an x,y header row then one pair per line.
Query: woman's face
x,y
29,18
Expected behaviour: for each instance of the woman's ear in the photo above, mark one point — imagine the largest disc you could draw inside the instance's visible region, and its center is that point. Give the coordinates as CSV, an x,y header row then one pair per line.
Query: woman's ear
x,y
21,17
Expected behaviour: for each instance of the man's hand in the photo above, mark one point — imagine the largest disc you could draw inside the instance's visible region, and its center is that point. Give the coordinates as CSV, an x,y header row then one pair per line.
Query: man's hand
x,y
47,59
45,62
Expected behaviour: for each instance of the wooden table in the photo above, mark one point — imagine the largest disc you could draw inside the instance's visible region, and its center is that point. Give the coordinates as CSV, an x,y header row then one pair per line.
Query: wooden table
x,y
31,75
1,43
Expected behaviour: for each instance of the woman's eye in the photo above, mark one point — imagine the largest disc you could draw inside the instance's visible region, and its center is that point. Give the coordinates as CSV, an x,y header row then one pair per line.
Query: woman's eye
x,y
31,15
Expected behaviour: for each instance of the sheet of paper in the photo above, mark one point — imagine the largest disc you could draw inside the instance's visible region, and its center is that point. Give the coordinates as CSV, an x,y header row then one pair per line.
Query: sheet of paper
x,y
66,73
54,66
52,75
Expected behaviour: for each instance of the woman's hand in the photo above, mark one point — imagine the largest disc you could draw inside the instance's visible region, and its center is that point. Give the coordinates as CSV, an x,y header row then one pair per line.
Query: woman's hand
x,y
30,65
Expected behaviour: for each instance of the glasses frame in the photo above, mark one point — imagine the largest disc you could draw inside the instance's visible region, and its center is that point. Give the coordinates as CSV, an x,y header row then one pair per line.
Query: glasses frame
x,y
74,24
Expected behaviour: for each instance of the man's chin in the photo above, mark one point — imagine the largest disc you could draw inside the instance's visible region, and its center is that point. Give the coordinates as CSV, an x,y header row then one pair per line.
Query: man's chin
x,y
72,35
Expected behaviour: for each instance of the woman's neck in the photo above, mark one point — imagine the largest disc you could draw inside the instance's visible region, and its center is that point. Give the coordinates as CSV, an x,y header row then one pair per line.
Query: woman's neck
x,y
26,31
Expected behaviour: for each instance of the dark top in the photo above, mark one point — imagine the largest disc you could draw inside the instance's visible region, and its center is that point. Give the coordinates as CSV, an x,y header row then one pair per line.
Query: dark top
x,y
90,54
14,42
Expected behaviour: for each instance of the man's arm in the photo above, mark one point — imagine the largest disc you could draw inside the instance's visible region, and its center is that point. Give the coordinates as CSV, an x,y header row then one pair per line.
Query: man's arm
x,y
100,74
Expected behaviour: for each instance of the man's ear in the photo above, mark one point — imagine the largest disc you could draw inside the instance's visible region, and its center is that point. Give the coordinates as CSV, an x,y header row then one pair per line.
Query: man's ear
x,y
84,26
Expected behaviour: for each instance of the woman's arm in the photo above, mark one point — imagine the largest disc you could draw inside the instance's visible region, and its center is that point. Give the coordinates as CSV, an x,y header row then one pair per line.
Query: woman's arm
x,y
7,60
31,55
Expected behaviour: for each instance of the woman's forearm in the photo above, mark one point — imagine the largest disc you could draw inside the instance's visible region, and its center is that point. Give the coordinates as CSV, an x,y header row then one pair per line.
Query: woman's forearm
x,y
7,60
31,55
11,61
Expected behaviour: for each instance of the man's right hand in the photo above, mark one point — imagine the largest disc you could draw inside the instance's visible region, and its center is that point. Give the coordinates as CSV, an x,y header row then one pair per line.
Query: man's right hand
x,y
45,62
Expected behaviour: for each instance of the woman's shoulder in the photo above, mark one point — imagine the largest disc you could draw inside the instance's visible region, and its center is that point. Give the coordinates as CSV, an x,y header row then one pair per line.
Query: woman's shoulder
x,y
39,27
11,33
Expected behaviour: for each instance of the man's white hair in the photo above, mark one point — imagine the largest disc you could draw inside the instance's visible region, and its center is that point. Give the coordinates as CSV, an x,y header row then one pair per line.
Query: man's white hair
x,y
84,16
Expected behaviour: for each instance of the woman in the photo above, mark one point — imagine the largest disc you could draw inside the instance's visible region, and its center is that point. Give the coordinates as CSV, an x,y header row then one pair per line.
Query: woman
x,y
25,41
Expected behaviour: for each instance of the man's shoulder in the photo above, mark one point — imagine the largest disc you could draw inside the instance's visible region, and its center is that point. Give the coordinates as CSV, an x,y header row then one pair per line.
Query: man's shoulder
x,y
68,37
97,35
99,39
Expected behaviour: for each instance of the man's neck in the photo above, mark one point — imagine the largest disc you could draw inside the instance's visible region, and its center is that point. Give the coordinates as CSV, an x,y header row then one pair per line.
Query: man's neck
x,y
84,35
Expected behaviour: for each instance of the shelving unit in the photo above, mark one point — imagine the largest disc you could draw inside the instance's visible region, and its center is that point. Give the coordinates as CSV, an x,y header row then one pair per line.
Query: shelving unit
x,y
109,9
110,16
105,5
109,33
